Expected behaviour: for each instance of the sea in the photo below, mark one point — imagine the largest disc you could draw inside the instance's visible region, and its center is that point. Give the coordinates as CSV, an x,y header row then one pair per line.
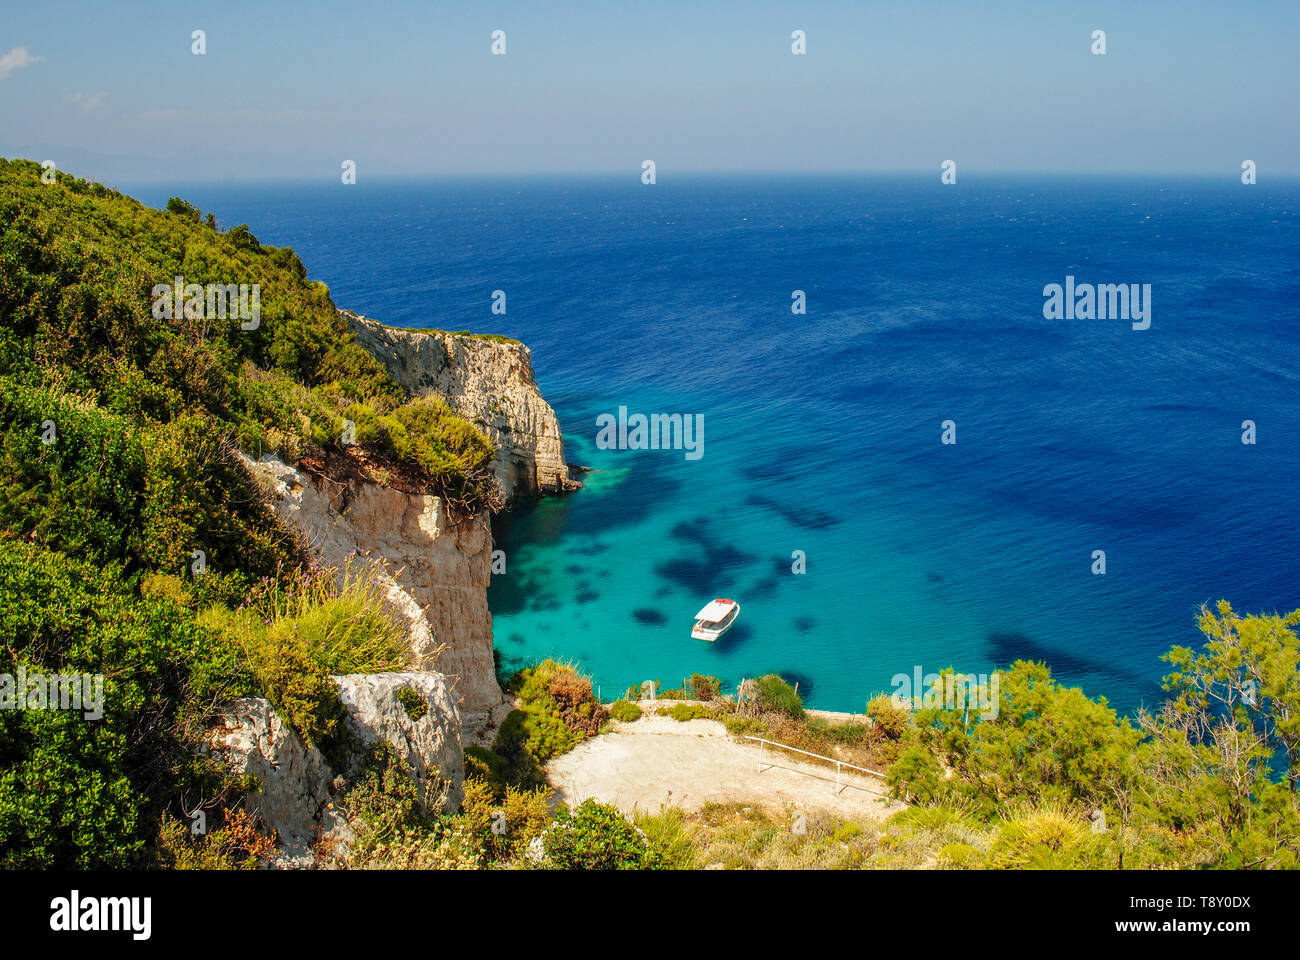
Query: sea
x,y
824,499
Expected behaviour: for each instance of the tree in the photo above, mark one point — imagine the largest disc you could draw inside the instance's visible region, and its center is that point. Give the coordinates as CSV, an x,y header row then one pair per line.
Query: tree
x,y
1241,694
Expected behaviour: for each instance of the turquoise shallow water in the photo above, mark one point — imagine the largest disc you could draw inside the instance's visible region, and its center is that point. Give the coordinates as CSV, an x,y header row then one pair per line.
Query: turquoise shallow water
x,y
822,431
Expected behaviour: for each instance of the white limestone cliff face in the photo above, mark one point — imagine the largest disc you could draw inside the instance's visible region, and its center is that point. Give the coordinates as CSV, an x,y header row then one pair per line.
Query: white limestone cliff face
x,y
434,572
489,382
430,746
295,795
299,792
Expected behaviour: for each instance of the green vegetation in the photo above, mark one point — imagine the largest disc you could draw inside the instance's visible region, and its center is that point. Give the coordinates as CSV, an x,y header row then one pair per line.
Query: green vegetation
x,y
78,268
888,719
1050,780
858,743
775,694
133,544
416,707
1207,781
497,827
558,711
1053,779
297,629
624,711
596,836
697,686
236,845
90,793
681,712
495,337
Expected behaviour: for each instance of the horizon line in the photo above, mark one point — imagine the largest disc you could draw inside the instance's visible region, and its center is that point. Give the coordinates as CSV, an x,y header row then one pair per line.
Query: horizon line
x,y
983,173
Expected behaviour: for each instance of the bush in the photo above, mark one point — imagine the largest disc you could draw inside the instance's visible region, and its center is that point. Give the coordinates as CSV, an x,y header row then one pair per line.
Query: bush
x,y
76,280
682,712
540,735
505,824
889,719
915,775
558,711
597,836
416,707
488,766
109,490
297,629
83,793
394,828
739,726
1047,837
704,687
775,694
624,711
236,845
697,686
668,834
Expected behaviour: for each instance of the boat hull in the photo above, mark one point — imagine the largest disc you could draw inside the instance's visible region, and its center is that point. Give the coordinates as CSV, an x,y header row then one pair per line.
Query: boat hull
x,y
712,632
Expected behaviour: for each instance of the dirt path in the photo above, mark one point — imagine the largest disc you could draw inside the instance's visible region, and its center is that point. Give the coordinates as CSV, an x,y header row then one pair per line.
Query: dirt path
x,y
657,760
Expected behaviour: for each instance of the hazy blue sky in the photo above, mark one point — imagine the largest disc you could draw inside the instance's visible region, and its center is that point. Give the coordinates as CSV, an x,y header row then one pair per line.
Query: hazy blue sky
x,y
111,90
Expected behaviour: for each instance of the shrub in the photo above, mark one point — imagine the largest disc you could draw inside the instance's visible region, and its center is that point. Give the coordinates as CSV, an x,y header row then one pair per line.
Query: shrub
x,y
739,726
76,281
505,824
80,793
959,856
236,845
394,829
110,490
889,719
668,835
703,687
1047,837
416,706
682,712
540,735
597,836
775,694
340,615
488,766
624,711
301,690
578,706
297,629
558,711
915,775
187,210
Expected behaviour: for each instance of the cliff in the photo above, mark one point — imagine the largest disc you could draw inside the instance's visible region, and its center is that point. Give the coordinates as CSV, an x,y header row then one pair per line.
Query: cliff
x,y
488,381
435,572
434,569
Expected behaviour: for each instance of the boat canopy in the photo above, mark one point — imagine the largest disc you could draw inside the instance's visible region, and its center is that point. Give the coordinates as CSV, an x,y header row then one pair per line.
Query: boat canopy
x,y
716,611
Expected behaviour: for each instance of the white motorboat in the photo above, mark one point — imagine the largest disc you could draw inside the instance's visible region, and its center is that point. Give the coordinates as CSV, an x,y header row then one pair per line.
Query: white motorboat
x,y
715,619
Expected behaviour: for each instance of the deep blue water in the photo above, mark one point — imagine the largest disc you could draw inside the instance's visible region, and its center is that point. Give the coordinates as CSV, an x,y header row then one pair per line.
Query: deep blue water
x,y
822,431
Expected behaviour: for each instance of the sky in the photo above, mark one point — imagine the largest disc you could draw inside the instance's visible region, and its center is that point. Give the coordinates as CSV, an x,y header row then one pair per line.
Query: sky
x,y
114,92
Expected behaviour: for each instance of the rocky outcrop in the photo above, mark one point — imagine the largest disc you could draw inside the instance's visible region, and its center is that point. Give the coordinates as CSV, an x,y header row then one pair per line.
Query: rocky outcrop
x,y
295,786
434,571
487,381
298,790
427,739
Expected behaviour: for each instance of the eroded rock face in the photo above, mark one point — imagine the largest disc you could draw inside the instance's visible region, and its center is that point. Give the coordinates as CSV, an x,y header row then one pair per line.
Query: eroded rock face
x,y
299,790
489,382
430,744
434,572
296,795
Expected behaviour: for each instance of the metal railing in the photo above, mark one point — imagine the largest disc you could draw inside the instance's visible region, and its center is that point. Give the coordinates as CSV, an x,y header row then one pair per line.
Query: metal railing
x,y
838,763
